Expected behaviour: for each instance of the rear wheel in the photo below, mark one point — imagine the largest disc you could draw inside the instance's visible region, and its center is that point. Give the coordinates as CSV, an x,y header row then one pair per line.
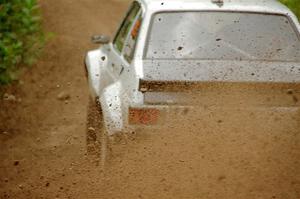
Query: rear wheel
x,y
96,134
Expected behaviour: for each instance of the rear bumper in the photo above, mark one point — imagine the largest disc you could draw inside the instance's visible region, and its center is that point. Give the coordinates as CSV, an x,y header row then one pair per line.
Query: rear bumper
x,y
178,116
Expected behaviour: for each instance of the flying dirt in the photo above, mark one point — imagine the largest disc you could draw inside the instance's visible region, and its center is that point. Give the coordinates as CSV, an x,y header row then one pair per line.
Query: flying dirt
x,y
223,149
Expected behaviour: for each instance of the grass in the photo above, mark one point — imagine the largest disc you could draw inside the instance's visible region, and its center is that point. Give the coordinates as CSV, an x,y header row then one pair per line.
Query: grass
x,y
21,36
294,5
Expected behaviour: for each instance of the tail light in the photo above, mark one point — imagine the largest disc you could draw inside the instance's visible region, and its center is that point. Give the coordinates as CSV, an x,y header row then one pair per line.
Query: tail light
x,y
143,116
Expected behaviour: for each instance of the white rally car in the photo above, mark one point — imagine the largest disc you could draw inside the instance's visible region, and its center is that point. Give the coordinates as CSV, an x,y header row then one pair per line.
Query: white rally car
x,y
173,53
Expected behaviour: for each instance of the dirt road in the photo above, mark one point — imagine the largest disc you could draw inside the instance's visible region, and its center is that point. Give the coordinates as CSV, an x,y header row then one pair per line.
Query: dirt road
x,y
238,154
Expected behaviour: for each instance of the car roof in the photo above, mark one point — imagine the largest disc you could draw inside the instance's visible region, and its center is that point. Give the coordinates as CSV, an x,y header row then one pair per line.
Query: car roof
x,y
273,6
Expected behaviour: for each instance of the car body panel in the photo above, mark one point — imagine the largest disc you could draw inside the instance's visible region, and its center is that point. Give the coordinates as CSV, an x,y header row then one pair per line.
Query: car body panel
x,y
96,65
223,71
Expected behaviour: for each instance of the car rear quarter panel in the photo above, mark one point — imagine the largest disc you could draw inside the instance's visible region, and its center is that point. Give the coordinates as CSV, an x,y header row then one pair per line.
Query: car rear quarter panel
x,y
98,76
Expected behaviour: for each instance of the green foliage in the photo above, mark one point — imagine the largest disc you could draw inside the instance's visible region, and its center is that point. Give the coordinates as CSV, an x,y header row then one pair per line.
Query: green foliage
x,y
21,36
294,5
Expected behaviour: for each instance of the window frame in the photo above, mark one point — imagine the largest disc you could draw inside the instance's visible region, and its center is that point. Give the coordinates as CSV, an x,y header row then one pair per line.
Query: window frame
x,y
135,3
139,16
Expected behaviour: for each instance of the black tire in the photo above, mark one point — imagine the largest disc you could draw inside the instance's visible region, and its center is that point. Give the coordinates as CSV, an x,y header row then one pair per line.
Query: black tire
x,y
96,135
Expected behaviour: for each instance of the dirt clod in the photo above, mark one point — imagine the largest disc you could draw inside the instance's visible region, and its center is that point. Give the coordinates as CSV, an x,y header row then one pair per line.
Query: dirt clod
x,y
221,177
295,99
91,129
16,163
63,96
179,48
9,97
290,91
5,133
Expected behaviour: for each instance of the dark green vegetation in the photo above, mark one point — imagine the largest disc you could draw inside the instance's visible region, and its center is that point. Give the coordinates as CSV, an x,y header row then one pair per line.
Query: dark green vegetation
x,y
294,5
21,36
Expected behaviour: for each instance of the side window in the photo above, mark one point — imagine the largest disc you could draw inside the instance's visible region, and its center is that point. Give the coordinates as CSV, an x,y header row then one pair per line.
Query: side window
x,y
130,44
123,31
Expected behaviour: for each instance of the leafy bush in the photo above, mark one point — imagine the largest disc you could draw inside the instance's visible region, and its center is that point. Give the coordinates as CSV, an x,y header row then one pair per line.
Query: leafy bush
x,y
21,36
294,5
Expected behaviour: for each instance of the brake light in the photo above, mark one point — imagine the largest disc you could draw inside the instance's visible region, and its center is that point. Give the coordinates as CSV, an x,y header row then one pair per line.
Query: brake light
x,y
144,116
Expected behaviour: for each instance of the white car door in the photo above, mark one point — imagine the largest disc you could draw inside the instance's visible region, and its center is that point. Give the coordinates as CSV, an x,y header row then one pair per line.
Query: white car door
x,y
123,45
120,54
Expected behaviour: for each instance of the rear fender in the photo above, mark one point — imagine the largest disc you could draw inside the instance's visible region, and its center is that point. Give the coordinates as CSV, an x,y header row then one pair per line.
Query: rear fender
x,y
112,107
98,75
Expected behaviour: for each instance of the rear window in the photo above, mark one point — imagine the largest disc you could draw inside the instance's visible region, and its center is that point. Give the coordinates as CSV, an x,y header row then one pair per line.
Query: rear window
x,y
222,36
